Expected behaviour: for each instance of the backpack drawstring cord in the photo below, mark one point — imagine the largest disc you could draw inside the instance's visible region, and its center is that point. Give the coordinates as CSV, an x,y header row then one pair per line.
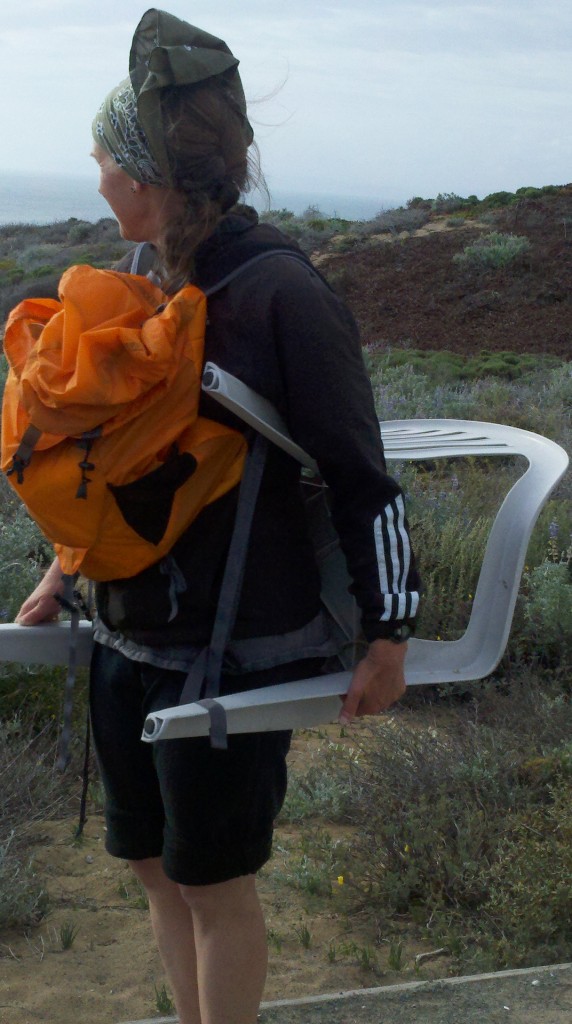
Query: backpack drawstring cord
x,y
85,465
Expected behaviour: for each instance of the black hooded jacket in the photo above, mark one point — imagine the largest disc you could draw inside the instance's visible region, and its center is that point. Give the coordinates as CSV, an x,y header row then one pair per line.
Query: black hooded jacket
x,y
281,329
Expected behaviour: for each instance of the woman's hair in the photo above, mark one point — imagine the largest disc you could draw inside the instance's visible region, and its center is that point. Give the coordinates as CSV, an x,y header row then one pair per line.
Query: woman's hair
x,y
210,165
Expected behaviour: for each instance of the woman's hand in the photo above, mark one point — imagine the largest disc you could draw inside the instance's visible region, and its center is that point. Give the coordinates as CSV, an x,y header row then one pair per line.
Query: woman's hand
x,y
377,682
41,605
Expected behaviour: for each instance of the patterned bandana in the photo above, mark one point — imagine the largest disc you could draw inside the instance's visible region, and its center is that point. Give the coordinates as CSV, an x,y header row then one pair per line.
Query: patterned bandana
x,y
165,52
117,130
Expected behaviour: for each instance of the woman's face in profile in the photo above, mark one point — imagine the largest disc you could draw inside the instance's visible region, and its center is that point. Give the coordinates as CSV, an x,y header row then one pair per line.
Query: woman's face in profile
x,y
117,188
142,211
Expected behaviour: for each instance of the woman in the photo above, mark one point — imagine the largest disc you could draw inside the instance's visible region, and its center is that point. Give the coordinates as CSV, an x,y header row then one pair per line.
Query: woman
x,y
196,823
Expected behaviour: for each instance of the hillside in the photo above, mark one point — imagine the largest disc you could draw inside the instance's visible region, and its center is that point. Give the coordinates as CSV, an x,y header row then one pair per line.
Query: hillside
x,y
398,272
407,289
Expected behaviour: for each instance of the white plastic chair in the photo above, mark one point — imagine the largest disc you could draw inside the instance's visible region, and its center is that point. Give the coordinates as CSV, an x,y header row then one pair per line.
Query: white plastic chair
x,y
317,701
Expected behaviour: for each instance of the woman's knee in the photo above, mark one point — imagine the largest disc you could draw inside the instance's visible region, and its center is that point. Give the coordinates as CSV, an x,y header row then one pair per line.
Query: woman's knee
x,y
237,895
151,875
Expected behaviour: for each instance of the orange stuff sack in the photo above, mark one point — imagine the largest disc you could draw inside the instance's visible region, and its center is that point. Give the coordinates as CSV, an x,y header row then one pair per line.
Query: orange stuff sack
x,y
101,435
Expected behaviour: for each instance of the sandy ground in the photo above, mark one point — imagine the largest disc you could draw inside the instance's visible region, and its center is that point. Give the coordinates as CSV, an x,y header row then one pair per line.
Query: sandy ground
x,y
111,973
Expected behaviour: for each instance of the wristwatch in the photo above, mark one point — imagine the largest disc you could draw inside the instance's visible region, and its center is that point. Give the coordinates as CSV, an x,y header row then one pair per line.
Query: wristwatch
x,y
399,634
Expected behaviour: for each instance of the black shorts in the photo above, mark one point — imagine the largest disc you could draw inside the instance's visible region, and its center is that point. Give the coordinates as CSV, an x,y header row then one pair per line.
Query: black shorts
x,y
208,813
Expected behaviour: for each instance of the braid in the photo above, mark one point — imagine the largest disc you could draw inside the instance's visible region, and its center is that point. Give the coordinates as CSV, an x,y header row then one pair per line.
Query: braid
x,y
210,166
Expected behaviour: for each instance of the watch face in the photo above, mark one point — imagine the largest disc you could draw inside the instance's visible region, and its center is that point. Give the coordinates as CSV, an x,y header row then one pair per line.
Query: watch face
x,y
401,634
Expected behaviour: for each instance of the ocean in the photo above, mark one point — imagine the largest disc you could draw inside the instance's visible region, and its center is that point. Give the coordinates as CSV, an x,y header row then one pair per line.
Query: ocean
x,y
45,198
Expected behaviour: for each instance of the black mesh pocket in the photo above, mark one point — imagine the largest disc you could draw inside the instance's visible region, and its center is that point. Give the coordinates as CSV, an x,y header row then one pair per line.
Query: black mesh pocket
x,y
146,504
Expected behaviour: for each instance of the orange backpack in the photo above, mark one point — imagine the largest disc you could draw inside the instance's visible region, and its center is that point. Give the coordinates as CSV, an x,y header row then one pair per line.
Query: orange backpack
x,y
101,435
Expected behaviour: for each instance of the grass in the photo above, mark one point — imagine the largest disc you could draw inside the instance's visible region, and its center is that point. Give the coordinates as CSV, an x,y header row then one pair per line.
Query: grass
x,y
443,367
395,958
31,792
304,936
163,1001
67,934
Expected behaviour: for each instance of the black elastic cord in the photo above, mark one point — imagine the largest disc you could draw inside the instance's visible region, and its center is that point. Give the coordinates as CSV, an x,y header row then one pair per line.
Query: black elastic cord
x,y
84,777
21,458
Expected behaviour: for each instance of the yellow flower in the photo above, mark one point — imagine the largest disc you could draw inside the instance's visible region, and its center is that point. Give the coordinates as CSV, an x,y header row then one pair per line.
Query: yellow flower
x,y
340,879
407,848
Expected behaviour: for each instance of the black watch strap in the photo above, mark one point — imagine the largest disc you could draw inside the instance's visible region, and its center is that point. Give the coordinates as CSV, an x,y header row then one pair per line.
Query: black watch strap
x,y
399,634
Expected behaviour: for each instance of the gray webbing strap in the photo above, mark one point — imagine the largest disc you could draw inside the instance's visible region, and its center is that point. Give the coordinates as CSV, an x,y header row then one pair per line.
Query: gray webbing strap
x,y
291,254
144,258
202,682
217,719
144,253
69,603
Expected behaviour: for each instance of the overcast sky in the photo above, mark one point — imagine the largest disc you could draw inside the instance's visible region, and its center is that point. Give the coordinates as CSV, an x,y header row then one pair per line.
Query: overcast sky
x,y
360,97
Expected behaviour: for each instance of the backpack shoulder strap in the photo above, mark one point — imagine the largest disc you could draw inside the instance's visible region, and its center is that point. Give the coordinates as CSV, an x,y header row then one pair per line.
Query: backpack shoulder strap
x,y
140,260
251,261
204,677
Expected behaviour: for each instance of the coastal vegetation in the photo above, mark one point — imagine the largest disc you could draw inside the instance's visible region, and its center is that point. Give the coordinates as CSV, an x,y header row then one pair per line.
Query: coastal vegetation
x,y
446,823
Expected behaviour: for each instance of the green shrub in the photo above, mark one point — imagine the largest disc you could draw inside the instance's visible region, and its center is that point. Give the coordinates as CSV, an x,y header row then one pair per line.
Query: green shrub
x,y
438,814
23,554
44,254
395,221
30,791
492,251
447,202
311,230
499,199
442,366
45,270
23,900
547,607
530,893
315,794
418,203
80,232
530,192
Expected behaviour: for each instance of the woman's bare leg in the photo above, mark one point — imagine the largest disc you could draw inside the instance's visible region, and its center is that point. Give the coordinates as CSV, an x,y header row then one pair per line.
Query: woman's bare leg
x,y
230,937
173,929
212,942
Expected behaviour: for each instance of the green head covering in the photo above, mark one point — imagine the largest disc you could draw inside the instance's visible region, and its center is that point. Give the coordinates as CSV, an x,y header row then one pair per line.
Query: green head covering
x,y
165,52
